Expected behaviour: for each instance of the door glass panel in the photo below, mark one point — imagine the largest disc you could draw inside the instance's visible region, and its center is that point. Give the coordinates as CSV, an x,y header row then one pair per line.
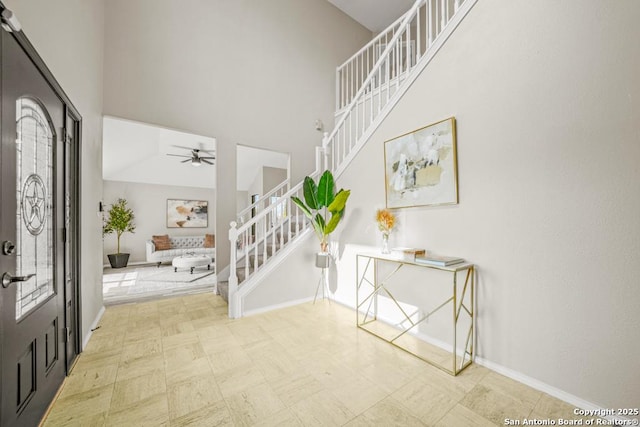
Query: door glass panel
x,y
34,222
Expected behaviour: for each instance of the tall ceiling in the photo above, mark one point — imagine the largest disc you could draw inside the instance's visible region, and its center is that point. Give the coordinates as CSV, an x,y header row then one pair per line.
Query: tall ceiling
x,y
375,15
137,152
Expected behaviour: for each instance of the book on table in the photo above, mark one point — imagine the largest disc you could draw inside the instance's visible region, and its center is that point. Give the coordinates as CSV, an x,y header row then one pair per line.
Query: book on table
x,y
439,260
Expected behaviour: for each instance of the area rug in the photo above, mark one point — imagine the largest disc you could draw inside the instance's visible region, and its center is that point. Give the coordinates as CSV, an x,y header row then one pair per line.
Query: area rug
x,y
143,283
168,275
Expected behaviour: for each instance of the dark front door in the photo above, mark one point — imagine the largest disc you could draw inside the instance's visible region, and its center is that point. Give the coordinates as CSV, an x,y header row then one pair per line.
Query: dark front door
x,y
32,218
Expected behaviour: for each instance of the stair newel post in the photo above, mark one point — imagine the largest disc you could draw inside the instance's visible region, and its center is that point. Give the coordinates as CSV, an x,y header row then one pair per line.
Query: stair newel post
x,y
325,152
233,277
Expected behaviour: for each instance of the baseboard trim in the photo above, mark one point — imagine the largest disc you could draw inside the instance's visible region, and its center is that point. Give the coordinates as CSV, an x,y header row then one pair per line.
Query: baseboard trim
x,y
92,328
286,304
516,376
548,389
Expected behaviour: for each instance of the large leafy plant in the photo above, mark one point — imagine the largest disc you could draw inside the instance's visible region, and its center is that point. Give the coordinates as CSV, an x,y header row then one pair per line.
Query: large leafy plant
x,y
119,220
322,205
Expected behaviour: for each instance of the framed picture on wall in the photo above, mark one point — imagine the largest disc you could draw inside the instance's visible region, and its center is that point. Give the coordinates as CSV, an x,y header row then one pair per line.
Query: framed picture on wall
x,y
187,213
421,167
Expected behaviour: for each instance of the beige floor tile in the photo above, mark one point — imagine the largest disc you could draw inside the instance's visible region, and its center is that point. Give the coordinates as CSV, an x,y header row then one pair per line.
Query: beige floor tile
x,y
180,355
253,404
235,380
495,405
130,391
179,340
72,409
135,335
214,415
140,367
322,409
386,413
387,376
550,407
177,328
181,361
142,348
426,402
226,360
88,360
189,396
275,367
292,389
460,416
77,420
104,343
84,380
189,370
358,394
527,395
152,411
284,418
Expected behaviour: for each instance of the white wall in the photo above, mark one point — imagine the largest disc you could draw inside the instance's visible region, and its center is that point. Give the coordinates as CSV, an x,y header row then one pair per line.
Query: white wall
x,y
547,103
69,36
272,177
248,72
149,204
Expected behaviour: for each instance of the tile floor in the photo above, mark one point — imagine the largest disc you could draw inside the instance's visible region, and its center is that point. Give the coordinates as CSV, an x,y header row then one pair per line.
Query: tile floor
x,y
181,361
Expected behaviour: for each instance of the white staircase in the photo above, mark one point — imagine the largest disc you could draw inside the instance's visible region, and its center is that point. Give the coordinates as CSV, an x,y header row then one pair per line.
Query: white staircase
x,y
368,86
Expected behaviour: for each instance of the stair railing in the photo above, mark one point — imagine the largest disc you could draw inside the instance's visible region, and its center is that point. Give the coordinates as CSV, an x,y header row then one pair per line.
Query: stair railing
x,y
262,202
352,73
261,237
418,30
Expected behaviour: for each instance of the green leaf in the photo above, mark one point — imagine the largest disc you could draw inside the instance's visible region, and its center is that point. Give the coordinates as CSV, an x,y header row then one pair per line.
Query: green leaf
x,y
302,207
333,222
310,193
320,221
319,225
326,189
340,201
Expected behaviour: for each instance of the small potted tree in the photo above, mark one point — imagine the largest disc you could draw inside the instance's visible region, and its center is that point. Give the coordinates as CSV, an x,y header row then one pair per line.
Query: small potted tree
x,y
320,200
119,221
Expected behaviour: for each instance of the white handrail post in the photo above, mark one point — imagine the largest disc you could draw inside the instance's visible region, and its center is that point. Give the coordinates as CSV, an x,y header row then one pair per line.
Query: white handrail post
x,y
338,103
325,152
233,277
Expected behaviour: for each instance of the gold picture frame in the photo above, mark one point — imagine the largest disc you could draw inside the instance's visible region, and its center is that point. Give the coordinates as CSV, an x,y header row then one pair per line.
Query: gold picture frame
x,y
421,167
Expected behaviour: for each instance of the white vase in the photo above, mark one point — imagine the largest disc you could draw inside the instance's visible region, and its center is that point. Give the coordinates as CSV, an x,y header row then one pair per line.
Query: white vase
x,y
385,243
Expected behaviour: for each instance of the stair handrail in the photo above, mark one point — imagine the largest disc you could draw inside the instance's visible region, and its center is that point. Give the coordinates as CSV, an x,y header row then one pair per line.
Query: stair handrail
x,y
236,230
408,17
263,198
342,70
439,17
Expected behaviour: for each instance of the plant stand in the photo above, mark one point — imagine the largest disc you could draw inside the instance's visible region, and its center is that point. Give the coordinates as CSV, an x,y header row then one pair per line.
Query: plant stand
x,y
322,262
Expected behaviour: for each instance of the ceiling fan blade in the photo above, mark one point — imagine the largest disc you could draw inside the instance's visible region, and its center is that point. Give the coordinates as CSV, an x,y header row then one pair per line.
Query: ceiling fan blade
x,y
182,146
178,155
207,151
209,157
204,160
185,161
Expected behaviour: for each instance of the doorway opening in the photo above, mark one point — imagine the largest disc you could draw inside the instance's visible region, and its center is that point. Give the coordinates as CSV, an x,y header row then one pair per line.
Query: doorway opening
x,y
166,179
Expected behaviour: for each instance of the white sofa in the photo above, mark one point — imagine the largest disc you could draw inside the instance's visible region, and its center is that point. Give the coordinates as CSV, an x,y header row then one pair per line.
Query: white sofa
x,y
179,246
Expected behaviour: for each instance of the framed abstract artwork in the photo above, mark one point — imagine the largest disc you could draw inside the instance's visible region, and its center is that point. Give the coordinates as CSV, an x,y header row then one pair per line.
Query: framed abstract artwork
x,y
187,213
421,167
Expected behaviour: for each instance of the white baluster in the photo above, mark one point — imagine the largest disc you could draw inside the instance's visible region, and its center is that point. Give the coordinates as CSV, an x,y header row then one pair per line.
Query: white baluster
x,y
430,20
233,277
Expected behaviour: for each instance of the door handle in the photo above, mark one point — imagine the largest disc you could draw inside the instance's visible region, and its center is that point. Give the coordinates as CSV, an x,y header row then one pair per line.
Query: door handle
x,y
8,279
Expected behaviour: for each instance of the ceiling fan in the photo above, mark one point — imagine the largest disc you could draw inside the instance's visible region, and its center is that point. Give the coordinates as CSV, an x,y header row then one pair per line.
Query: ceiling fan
x,y
195,158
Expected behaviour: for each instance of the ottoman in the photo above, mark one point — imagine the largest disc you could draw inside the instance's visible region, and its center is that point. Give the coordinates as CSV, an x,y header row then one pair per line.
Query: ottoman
x,y
191,262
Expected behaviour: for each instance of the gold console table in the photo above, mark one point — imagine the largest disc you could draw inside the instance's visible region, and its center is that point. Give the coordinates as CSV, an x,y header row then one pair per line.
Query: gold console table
x,y
462,305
